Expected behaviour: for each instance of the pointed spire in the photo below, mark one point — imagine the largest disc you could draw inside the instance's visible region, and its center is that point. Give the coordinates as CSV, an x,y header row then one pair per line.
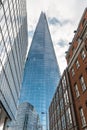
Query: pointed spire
x,y
42,17
42,13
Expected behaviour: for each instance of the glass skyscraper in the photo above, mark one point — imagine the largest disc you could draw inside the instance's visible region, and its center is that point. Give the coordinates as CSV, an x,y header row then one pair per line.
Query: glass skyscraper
x,y
13,48
27,118
41,74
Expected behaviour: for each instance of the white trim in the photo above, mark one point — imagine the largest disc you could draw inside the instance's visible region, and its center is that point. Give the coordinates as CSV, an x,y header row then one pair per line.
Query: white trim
x,y
75,55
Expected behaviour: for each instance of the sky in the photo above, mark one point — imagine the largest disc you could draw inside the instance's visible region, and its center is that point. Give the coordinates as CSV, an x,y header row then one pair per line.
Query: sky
x,y
63,17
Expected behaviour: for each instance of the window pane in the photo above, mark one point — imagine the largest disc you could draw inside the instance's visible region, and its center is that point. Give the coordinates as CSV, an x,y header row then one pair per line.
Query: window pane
x,y
73,72
82,117
82,83
77,91
77,64
83,54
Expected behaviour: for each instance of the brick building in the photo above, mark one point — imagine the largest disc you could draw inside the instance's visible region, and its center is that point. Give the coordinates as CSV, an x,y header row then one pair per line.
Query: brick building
x,y
68,109
61,111
77,67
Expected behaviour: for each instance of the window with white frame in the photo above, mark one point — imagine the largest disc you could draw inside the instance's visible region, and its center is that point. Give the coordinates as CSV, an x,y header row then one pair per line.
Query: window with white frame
x,y
76,90
82,83
73,72
64,82
82,116
66,98
60,91
68,117
83,54
61,105
77,64
63,123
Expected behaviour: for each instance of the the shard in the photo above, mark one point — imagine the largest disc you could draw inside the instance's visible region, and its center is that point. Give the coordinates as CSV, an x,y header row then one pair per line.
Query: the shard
x,y
41,74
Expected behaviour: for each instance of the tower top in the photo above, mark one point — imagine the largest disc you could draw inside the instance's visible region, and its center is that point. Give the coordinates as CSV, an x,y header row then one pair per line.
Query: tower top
x,y
42,15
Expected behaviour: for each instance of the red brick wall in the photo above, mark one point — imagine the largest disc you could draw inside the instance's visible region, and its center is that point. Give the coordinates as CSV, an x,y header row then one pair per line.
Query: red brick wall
x,y
75,39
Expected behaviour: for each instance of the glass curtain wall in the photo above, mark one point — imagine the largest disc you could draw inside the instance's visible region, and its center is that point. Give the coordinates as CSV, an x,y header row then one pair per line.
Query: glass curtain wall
x,y
13,47
41,74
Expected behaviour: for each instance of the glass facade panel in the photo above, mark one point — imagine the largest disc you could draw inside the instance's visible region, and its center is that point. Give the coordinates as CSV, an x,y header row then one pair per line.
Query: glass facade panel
x,y
12,55
26,119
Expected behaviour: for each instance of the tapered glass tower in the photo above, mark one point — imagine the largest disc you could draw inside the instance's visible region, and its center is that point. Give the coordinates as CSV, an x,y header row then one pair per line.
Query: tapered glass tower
x,y
41,74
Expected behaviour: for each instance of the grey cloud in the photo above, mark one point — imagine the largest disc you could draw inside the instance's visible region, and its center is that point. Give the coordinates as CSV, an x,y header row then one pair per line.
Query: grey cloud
x,y
62,43
55,21
67,21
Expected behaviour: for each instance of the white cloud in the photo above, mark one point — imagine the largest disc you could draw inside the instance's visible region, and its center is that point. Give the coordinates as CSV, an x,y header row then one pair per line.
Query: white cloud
x,y
69,11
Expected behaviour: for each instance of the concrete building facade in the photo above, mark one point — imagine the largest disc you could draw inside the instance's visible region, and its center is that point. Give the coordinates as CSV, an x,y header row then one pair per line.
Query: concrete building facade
x,y
77,68
13,47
